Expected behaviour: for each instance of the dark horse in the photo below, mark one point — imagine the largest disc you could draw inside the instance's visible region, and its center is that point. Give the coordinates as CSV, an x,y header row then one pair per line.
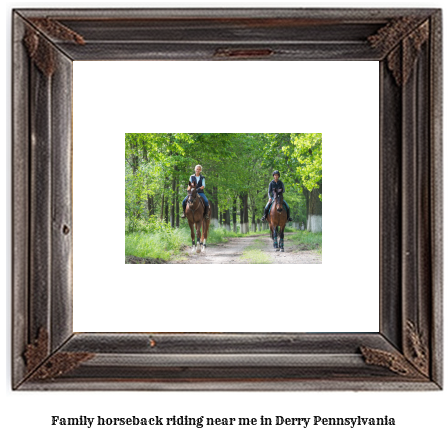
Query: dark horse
x,y
277,217
195,215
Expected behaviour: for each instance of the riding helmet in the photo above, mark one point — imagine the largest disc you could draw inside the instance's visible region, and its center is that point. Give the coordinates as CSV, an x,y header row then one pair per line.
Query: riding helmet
x,y
276,172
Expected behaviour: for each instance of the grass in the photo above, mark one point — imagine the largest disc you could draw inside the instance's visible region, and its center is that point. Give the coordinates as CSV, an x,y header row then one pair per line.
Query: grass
x,y
219,235
168,243
254,253
155,239
311,241
156,245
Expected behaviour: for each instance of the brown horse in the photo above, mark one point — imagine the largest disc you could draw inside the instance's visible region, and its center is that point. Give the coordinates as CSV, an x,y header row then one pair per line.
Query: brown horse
x,y
277,217
195,215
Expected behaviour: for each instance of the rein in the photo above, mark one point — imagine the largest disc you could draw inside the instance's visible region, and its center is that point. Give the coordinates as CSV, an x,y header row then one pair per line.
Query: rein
x,y
277,200
194,201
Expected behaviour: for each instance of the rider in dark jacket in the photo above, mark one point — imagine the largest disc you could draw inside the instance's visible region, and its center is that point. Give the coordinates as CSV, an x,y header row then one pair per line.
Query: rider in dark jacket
x,y
274,185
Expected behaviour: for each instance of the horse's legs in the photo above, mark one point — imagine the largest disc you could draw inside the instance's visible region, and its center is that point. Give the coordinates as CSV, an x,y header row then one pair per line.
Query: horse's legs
x,y
198,234
192,236
282,235
205,225
275,238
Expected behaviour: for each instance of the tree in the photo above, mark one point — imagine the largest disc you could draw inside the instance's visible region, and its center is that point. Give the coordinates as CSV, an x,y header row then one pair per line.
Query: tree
x,y
237,168
299,156
307,150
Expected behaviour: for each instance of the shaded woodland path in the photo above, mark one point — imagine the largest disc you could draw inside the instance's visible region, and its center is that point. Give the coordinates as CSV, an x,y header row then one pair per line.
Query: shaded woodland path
x,y
251,249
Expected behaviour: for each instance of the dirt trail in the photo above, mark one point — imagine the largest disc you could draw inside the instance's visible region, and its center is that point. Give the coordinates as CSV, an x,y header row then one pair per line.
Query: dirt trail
x,y
238,250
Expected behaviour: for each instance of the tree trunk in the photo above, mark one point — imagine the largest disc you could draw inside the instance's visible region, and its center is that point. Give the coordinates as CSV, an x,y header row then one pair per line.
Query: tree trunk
x,y
134,159
214,205
306,194
216,210
234,214
145,154
177,204
253,225
244,214
163,205
314,222
173,200
241,214
228,220
134,163
150,205
166,211
220,218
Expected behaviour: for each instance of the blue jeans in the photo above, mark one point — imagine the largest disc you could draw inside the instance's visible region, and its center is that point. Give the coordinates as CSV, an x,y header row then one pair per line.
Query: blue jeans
x,y
202,195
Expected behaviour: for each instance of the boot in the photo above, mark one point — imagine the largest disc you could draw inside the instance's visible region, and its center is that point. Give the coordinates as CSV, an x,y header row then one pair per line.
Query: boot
x,y
206,212
184,215
266,211
289,217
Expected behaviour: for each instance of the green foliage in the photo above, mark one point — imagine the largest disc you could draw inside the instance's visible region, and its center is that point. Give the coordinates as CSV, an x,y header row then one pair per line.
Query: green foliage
x,y
150,225
298,157
237,167
307,150
157,244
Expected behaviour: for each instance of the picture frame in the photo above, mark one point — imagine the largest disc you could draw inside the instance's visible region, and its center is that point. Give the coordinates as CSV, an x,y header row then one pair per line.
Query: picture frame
x,y
406,353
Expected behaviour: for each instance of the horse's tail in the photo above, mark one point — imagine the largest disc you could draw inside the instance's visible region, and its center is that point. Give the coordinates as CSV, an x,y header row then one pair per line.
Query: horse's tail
x,y
206,222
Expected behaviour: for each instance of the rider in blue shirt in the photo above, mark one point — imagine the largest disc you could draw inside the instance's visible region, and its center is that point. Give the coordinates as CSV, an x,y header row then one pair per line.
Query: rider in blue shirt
x,y
200,184
275,184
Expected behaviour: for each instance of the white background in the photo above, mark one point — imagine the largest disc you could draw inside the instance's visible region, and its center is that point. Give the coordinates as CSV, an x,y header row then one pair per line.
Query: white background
x,y
416,414
168,96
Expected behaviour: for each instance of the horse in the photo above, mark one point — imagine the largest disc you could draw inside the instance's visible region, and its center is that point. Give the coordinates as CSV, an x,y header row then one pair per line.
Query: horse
x,y
277,217
195,215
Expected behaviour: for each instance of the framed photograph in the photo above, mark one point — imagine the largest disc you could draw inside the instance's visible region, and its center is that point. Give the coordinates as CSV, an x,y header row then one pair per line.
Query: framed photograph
x,y
50,353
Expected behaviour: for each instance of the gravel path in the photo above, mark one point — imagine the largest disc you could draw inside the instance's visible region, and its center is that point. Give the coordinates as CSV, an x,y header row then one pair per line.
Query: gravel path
x,y
232,252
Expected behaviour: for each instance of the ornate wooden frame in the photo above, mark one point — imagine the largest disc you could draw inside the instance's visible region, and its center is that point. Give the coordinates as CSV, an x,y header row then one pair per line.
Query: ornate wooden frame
x,y
406,354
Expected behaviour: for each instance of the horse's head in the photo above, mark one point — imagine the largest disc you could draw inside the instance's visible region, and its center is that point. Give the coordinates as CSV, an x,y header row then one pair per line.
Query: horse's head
x,y
278,199
192,192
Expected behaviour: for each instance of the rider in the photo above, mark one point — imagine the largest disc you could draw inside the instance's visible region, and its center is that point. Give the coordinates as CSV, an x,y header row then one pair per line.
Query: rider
x,y
275,184
199,180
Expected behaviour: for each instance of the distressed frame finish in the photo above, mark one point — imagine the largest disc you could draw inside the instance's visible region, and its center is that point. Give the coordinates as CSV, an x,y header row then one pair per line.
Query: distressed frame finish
x,y
406,354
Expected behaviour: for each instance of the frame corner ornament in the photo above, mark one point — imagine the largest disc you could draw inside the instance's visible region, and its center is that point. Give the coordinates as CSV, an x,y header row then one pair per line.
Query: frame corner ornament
x,y
40,49
418,353
397,363
41,366
401,40
37,351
